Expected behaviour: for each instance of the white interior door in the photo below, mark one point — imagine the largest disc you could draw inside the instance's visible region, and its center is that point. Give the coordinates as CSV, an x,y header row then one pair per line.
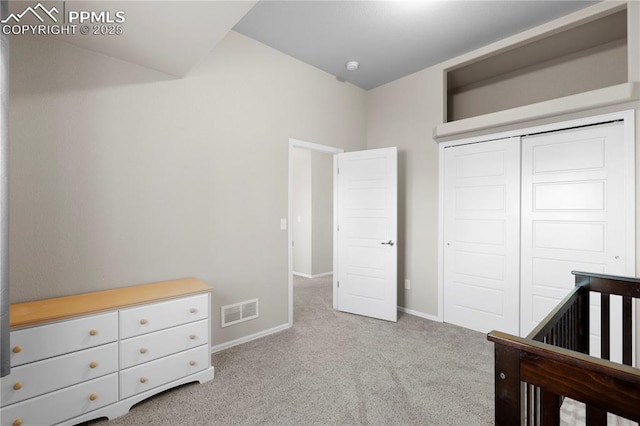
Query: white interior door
x,y
366,270
574,207
482,235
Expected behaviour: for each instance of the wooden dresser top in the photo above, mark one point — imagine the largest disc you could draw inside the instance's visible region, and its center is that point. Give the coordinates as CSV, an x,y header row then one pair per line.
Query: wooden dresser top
x,y
61,308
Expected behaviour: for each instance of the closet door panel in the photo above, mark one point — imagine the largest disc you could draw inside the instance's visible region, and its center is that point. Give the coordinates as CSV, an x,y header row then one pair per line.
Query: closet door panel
x,y
573,214
481,235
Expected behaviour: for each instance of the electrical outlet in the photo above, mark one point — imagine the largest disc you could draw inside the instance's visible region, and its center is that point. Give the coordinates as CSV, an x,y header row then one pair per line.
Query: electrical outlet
x,y
407,284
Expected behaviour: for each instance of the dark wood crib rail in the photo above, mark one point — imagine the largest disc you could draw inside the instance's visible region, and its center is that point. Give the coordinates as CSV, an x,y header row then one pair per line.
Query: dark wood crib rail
x,y
533,374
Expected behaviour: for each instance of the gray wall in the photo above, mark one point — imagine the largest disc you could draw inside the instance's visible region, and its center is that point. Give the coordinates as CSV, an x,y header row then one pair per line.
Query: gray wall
x,y
301,208
121,175
403,114
322,207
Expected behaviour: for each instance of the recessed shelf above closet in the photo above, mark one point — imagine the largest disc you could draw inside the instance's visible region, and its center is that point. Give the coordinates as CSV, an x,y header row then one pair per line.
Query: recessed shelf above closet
x,y
577,62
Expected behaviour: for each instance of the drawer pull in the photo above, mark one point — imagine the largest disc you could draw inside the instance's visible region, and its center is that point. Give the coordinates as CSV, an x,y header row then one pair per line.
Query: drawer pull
x,y
93,396
192,336
143,321
143,380
93,332
93,364
16,350
17,386
193,310
17,422
143,350
192,363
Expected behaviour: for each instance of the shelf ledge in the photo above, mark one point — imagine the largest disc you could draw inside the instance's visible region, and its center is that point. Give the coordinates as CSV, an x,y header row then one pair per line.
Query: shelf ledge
x,y
618,94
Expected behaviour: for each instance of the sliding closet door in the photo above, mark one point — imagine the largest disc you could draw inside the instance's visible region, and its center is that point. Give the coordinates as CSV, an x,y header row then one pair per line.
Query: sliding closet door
x,y
574,206
481,235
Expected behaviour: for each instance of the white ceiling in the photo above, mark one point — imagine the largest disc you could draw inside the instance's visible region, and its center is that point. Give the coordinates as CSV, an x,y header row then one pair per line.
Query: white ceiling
x,y
167,36
391,39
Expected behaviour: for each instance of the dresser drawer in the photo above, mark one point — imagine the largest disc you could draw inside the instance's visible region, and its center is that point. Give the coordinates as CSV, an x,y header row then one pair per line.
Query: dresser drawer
x,y
158,316
148,347
64,404
45,341
37,378
156,373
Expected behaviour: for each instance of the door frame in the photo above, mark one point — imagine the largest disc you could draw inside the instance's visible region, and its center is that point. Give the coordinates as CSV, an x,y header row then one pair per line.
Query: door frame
x,y
311,146
628,116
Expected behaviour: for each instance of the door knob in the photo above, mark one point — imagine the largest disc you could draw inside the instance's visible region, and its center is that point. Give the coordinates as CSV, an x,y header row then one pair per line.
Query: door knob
x,y
390,243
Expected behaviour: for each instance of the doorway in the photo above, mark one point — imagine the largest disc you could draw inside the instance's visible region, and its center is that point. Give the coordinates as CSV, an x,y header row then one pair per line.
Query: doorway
x,y
312,220
303,156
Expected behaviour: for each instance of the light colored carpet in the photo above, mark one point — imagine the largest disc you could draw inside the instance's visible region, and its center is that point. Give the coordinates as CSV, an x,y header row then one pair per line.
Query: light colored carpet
x,y
573,413
334,368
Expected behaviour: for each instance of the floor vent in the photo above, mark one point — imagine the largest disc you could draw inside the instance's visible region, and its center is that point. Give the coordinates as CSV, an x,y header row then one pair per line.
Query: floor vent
x,y
239,312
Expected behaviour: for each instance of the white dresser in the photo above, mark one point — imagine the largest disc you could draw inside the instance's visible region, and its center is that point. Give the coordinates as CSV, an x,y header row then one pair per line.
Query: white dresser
x,y
95,355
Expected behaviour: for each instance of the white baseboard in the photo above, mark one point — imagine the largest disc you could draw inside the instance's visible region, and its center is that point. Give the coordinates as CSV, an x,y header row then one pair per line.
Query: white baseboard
x,y
419,314
303,275
245,339
324,274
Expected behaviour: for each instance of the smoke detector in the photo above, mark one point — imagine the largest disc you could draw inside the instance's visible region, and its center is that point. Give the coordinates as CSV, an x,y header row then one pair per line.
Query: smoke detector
x,y
352,65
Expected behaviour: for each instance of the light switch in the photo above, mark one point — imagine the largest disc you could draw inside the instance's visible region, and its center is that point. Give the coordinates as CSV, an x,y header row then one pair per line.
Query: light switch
x,y
283,224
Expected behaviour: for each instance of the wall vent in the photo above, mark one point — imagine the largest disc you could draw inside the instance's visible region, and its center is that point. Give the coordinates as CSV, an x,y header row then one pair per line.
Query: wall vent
x,y
239,312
